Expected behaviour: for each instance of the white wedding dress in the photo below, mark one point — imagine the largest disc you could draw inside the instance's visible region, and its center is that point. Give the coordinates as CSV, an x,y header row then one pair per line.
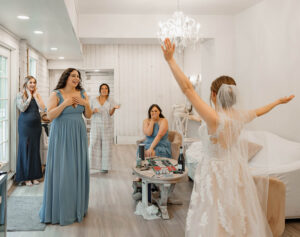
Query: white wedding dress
x,y
225,200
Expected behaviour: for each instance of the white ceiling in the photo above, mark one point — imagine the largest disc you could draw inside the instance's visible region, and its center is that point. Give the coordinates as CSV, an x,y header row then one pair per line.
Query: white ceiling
x,y
49,16
163,6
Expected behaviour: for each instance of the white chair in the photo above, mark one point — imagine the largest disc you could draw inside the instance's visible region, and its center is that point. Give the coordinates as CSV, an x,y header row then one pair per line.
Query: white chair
x,y
181,117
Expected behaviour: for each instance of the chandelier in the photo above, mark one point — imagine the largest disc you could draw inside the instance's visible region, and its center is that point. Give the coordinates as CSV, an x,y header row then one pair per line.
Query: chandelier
x,y
180,29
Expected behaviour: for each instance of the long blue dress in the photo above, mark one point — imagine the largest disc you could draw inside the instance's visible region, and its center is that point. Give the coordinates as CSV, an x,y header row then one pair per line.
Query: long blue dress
x,y
66,191
163,148
29,160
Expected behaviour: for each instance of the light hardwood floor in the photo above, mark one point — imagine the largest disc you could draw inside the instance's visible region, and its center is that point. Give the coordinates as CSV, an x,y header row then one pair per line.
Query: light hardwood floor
x,y
111,208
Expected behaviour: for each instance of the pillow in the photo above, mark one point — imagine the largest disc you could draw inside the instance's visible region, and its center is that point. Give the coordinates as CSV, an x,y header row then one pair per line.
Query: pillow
x,y
276,150
253,148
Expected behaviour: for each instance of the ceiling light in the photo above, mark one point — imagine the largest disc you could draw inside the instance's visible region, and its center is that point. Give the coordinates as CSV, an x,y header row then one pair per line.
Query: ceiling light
x,y
23,17
54,49
180,29
97,70
38,32
61,57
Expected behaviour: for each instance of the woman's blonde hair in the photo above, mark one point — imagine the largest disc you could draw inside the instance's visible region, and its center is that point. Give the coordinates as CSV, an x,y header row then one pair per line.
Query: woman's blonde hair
x,y
26,80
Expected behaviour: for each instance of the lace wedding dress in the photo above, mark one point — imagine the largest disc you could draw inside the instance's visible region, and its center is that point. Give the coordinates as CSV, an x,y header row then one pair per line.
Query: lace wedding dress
x,y
225,200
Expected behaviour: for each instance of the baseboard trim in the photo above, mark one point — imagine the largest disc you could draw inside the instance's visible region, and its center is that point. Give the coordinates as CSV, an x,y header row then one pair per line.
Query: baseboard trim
x,y
127,139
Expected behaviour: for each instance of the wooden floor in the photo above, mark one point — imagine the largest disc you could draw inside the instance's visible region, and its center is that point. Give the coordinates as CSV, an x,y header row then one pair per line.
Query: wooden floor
x,y
111,208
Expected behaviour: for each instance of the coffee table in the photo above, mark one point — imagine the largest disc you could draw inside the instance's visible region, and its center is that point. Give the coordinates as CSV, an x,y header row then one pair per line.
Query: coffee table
x,y
165,182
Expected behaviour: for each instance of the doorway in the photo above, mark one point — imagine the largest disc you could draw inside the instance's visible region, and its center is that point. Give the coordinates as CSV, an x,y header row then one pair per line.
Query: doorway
x,y
92,79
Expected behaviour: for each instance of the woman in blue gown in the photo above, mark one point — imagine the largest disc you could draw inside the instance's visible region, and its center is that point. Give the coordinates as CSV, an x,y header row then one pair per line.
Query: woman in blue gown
x,y
66,191
155,128
29,168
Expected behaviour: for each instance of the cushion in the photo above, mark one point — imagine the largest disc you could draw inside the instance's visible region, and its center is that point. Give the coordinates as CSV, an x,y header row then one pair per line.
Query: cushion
x,y
253,148
276,151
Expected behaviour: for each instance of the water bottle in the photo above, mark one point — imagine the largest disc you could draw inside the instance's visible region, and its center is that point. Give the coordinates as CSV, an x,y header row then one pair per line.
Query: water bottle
x,y
138,161
141,155
142,151
181,161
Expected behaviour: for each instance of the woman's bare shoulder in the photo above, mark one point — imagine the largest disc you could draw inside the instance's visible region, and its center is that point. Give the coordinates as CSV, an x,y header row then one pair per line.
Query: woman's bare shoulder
x,y
163,120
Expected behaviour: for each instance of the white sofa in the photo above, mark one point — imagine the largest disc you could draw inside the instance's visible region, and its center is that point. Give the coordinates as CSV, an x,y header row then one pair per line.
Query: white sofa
x,y
283,160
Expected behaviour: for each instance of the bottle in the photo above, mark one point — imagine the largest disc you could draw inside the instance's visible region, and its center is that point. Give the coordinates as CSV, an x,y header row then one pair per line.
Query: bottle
x,y
142,151
181,161
141,155
138,162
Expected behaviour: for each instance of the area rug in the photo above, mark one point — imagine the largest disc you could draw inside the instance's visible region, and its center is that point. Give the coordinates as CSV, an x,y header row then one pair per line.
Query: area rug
x,y
23,213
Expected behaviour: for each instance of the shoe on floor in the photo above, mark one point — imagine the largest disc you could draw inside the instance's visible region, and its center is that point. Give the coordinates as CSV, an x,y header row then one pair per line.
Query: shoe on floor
x,y
137,196
28,183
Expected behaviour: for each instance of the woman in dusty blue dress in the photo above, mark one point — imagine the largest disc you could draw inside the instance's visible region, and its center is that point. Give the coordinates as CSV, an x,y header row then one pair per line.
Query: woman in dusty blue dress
x,y
66,191
155,128
29,102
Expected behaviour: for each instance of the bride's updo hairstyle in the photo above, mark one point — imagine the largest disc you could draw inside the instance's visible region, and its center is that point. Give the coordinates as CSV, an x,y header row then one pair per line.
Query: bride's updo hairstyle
x,y
230,99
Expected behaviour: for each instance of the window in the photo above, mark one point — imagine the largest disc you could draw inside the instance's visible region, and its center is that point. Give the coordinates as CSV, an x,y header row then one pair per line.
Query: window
x,y
32,67
4,105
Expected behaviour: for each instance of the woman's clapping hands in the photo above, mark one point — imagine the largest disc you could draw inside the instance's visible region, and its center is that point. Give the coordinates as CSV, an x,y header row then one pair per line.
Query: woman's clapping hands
x,y
80,101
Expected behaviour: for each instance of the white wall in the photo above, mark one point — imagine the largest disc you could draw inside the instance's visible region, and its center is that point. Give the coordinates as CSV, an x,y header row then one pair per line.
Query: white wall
x,y
143,26
267,62
213,57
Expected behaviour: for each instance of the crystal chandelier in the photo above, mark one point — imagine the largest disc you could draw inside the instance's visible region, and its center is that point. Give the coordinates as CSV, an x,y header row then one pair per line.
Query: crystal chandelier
x,y
180,29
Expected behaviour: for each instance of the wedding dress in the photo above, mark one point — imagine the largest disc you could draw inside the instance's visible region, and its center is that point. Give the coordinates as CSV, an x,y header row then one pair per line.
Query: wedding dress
x,y
225,201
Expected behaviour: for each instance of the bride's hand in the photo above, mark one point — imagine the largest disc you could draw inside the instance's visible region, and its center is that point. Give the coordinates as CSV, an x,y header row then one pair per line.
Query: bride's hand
x,y
168,49
286,99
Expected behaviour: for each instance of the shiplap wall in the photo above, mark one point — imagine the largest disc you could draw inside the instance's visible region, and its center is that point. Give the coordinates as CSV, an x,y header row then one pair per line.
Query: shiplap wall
x,y
54,76
42,70
141,78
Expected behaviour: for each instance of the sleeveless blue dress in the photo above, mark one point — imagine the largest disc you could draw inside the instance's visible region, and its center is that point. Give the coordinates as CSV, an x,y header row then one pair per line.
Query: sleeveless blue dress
x,y
163,148
66,190
29,165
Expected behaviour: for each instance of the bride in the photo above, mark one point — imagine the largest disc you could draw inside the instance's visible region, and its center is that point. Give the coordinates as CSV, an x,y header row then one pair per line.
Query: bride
x,y
225,200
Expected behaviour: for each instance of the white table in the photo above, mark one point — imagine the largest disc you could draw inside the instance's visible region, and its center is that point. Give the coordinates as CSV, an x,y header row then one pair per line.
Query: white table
x,y
165,183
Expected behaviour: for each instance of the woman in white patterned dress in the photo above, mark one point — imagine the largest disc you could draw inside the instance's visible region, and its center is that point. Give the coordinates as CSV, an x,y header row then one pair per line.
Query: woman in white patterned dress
x,y
101,138
225,200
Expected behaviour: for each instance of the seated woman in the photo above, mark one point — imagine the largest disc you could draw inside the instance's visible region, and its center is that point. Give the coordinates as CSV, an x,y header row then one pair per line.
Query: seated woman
x,y
155,128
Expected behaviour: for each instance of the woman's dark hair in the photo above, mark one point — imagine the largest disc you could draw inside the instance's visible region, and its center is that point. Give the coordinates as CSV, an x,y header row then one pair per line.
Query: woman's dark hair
x,y
64,77
104,84
151,107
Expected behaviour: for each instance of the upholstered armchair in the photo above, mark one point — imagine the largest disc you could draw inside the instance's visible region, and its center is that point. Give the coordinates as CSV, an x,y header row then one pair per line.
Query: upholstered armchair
x,y
176,141
276,205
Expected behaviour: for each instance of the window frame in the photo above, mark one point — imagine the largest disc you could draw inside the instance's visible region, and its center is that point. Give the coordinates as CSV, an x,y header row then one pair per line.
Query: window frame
x,y
6,53
30,73
32,56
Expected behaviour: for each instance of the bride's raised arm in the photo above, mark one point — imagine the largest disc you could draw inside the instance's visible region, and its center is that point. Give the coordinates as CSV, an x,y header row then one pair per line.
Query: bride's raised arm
x,y
206,112
265,109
